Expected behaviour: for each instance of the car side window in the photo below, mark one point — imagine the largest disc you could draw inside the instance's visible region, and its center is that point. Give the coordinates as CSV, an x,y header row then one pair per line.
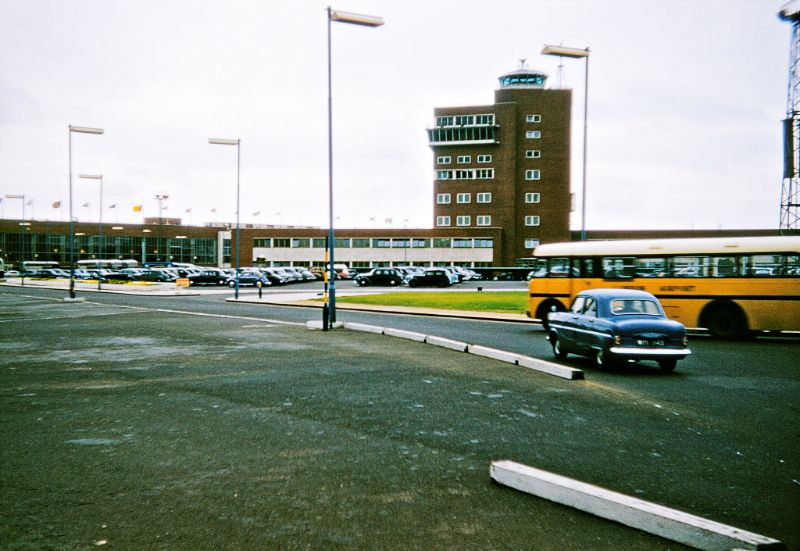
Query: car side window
x,y
577,305
591,308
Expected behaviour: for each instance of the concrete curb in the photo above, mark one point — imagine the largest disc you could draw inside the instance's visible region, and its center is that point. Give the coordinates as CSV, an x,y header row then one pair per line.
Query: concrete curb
x,y
500,355
671,524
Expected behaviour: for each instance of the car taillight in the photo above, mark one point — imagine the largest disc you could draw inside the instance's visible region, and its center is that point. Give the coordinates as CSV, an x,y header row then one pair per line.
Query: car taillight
x,y
685,341
617,340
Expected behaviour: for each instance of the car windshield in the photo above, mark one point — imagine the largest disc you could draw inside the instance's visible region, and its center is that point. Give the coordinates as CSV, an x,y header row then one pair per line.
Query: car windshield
x,y
622,306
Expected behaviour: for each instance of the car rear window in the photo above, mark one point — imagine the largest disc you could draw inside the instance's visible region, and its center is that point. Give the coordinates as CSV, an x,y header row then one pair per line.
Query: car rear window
x,y
634,306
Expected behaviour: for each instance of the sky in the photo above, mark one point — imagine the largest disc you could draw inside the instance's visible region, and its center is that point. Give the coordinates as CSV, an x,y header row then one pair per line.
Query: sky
x,y
685,103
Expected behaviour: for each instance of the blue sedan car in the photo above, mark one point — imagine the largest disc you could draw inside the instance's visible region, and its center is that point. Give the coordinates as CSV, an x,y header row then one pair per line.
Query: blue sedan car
x,y
617,325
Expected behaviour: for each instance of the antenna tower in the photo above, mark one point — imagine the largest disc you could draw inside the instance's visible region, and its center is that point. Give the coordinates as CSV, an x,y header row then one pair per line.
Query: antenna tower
x,y
790,191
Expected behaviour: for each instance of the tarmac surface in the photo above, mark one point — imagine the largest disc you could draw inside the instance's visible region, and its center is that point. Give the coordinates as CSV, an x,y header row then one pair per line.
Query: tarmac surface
x,y
140,428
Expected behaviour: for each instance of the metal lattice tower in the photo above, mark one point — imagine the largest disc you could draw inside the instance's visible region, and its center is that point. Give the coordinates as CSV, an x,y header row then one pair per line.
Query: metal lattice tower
x,y
790,191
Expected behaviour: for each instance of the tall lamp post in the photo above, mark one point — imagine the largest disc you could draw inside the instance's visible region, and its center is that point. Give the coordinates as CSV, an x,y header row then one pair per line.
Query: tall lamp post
x,y
161,197
577,53
100,226
21,238
237,143
364,21
80,130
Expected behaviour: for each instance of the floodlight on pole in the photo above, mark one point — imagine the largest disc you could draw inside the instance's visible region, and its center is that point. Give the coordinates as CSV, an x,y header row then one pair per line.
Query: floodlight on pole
x,y
237,143
577,53
329,309
79,130
100,225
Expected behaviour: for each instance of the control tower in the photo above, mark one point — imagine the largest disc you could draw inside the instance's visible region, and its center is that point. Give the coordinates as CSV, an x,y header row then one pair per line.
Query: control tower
x,y
506,165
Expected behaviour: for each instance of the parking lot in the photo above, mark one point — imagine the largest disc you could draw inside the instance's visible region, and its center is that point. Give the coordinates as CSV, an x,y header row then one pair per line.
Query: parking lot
x,y
142,428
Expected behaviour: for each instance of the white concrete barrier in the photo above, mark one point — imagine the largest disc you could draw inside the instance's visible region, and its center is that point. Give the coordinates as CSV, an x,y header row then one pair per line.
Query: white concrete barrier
x,y
649,517
447,343
550,368
485,351
363,327
418,337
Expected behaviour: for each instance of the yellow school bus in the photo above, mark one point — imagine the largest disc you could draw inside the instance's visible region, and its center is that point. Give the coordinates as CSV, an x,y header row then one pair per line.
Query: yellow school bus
x,y
730,285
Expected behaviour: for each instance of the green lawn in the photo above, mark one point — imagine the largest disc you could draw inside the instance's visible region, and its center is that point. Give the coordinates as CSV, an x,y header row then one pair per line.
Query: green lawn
x,y
503,301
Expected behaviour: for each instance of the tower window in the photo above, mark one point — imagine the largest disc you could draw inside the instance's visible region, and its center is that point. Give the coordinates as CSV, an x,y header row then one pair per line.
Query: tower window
x,y
484,197
463,220
442,220
463,198
533,197
484,159
443,160
532,220
464,159
533,154
484,220
442,198
533,118
533,174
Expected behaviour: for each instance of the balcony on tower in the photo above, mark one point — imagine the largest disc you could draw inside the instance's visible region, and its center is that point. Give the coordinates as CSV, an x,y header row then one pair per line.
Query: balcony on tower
x,y
464,130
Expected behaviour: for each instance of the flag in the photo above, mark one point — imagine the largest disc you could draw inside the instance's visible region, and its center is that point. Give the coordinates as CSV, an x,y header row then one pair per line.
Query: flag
x,y
86,204
257,213
188,211
112,206
388,220
57,205
137,208
372,219
30,202
213,210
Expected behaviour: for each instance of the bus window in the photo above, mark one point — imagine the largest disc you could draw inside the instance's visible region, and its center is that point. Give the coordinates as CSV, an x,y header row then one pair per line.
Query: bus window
x,y
585,267
559,267
651,267
618,267
690,266
725,266
762,265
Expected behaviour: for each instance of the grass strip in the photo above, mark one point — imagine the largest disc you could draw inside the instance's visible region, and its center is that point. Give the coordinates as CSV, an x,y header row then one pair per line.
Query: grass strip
x,y
502,301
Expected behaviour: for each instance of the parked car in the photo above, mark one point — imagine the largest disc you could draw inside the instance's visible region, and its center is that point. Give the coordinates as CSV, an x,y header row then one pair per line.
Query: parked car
x,y
248,278
208,276
380,276
155,275
617,325
436,277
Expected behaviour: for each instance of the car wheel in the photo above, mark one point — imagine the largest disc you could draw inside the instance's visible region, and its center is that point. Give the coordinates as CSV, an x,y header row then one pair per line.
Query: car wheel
x,y
232,284
392,282
602,359
362,282
668,365
558,352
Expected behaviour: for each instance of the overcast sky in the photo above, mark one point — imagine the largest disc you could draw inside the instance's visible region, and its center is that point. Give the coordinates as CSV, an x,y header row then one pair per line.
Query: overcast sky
x,y
685,103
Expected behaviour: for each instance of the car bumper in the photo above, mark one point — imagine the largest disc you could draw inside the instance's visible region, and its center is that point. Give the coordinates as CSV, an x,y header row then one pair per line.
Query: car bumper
x,y
627,352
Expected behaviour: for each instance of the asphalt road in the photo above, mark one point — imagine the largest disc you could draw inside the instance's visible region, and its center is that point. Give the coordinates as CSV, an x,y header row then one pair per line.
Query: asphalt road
x,y
134,423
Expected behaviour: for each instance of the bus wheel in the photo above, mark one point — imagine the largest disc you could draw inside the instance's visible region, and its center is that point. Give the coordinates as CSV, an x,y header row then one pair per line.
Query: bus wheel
x,y
724,320
545,308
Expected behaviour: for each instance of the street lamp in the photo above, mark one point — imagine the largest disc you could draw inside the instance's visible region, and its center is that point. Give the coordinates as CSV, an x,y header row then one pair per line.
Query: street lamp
x,y
80,130
100,229
237,143
160,197
577,53
364,21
